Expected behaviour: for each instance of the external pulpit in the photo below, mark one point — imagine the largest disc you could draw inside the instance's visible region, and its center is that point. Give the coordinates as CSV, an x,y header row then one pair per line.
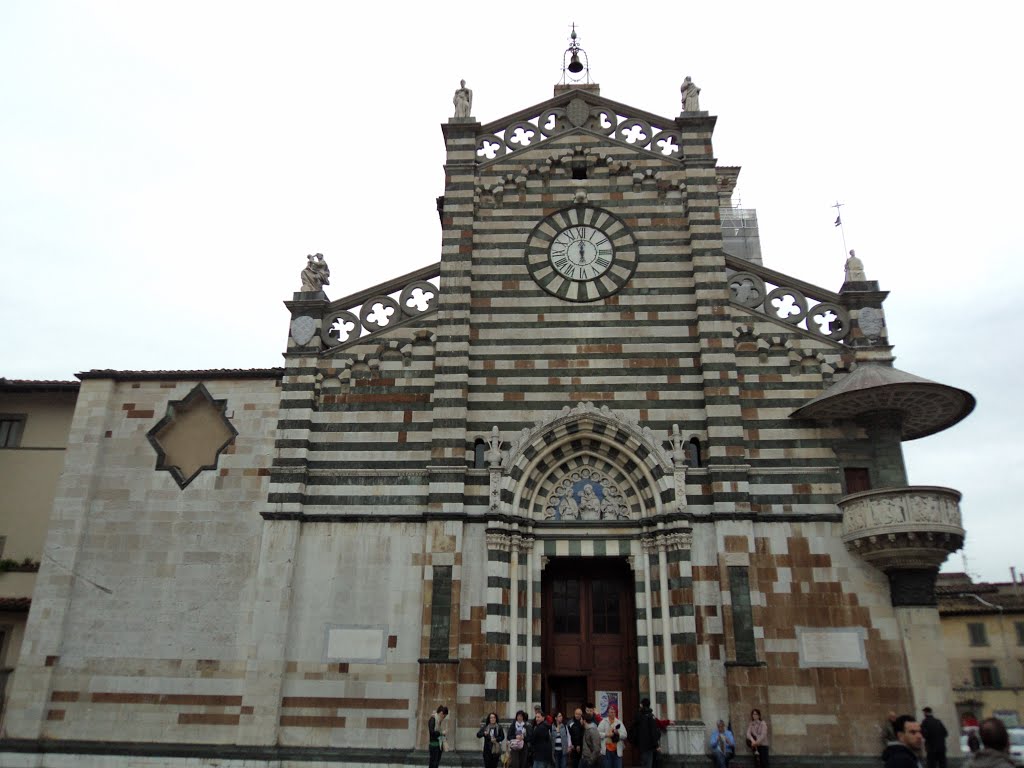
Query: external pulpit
x,y
905,531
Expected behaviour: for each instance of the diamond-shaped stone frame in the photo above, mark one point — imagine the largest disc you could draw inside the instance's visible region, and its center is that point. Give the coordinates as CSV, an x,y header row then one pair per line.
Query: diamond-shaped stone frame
x,y
199,391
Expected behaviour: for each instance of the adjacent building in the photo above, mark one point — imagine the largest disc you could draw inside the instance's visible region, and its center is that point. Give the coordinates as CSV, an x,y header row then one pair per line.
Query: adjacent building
x,y
983,635
35,417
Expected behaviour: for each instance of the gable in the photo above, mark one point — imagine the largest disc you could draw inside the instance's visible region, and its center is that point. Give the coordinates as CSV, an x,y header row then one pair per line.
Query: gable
x,y
578,113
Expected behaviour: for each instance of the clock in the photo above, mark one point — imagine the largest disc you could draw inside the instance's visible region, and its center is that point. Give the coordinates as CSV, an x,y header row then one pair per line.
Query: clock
x,y
581,254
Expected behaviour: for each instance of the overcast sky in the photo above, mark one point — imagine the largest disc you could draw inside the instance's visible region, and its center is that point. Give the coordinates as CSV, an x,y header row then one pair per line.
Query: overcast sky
x,y
166,167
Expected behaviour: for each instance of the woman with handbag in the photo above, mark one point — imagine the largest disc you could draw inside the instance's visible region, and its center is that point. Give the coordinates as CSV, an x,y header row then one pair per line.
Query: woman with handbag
x,y
493,735
517,741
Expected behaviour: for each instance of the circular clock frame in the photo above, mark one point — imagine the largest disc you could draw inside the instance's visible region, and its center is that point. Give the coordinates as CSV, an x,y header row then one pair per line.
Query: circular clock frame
x,y
589,286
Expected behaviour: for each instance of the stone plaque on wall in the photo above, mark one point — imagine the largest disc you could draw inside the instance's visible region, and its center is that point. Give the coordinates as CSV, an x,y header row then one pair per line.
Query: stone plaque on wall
x,y
355,644
831,647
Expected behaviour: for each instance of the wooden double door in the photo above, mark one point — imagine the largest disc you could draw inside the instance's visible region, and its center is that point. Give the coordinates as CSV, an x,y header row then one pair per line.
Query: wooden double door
x,y
588,634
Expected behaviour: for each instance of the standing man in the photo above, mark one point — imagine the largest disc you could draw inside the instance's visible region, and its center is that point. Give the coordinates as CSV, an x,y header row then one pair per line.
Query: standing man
x,y
435,734
905,752
591,742
935,734
645,734
613,738
576,728
540,741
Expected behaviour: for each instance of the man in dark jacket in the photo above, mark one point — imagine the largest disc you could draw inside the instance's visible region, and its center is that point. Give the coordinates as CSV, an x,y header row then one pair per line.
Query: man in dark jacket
x,y
540,741
576,728
906,750
644,734
935,734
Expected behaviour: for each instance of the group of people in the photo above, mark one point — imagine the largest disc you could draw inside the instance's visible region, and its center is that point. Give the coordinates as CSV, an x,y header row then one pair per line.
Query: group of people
x,y
909,743
551,741
905,740
723,743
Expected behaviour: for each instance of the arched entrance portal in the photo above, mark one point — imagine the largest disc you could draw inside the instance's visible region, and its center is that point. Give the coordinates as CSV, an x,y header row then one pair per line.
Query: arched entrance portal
x,y
588,637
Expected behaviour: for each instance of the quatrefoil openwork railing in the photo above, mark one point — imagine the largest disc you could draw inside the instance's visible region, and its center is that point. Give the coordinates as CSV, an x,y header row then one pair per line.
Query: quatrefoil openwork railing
x,y
378,309
789,305
634,131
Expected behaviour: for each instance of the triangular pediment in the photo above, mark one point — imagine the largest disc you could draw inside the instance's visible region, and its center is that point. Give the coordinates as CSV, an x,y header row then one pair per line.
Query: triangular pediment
x,y
579,111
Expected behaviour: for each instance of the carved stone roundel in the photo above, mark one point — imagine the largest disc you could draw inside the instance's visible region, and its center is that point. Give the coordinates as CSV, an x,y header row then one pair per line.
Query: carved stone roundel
x,y
578,111
303,328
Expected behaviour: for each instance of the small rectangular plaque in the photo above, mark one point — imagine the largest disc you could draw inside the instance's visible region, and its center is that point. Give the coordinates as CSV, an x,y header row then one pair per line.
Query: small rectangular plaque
x,y
355,644
831,646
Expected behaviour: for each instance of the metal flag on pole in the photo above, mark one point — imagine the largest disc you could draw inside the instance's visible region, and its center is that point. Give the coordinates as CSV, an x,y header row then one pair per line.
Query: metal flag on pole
x,y
839,223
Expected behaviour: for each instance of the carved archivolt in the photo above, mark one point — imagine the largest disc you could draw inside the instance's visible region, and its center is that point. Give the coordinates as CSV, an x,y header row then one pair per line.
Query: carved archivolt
x,y
543,460
588,411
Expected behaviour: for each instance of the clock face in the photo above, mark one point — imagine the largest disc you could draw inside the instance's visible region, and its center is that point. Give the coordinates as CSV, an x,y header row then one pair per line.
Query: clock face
x,y
581,254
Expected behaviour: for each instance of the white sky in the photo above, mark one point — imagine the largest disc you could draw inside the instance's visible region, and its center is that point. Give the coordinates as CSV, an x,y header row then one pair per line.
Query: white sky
x,y
165,167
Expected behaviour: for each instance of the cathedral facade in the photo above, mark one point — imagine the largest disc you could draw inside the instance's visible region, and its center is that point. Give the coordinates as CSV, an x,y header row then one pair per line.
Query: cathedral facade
x,y
597,452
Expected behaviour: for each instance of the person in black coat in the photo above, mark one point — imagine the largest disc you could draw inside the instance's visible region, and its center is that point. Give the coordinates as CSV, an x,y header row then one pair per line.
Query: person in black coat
x,y
576,729
539,737
644,734
935,734
905,752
